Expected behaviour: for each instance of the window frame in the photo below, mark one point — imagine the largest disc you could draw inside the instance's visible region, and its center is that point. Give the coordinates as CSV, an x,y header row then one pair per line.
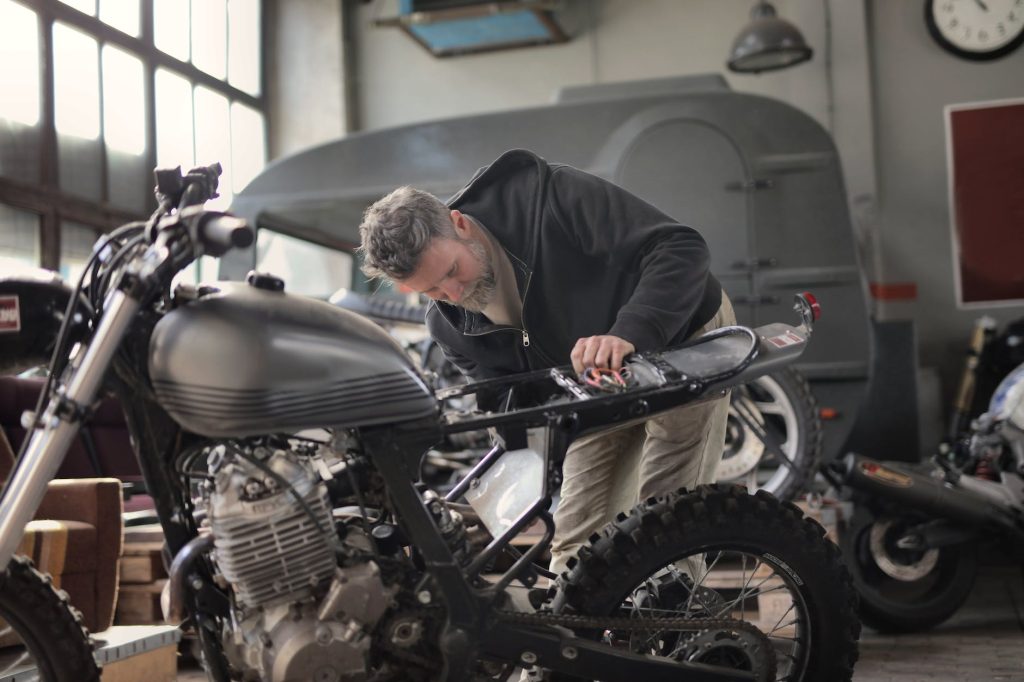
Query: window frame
x,y
43,195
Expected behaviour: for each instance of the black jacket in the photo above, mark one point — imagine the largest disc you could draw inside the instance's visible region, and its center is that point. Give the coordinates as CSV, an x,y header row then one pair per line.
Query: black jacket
x,y
590,258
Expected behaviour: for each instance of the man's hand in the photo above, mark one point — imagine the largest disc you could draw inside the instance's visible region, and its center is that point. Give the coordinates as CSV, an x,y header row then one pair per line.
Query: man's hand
x,y
600,351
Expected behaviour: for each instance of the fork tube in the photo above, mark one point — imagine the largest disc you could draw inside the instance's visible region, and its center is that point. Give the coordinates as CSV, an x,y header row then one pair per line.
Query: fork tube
x,y
50,442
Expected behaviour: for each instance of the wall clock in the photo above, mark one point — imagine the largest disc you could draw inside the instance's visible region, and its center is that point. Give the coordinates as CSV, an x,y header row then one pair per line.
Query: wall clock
x,y
976,29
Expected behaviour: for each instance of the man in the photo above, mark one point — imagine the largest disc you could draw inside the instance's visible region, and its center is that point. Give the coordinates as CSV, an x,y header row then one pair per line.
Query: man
x,y
535,264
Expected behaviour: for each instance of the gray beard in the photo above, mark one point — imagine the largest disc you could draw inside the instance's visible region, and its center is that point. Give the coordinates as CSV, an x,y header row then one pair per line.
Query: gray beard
x,y
484,288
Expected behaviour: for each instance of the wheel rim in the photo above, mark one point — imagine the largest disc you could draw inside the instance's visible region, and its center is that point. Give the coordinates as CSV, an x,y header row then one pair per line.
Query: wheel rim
x,y
17,655
899,578
731,584
745,459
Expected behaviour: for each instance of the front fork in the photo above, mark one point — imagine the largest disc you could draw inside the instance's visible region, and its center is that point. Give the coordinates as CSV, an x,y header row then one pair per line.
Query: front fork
x,y
55,429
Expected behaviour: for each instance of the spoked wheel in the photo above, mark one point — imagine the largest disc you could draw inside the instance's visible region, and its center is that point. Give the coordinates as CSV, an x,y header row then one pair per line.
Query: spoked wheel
x,y
773,410
905,590
41,630
719,553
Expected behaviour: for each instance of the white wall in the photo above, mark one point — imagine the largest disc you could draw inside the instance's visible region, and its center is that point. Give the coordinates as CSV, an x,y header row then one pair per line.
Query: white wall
x,y
305,76
913,80
612,40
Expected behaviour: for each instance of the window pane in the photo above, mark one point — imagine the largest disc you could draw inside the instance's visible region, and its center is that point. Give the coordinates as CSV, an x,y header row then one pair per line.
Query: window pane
x,y
213,139
121,14
206,269
76,83
19,238
173,121
209,36
19,63
244,45
306,268
87,6
170,27
248,149
76,241
124,108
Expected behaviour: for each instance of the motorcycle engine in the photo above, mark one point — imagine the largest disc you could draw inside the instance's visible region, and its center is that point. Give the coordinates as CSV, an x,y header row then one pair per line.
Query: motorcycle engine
x,y
304,606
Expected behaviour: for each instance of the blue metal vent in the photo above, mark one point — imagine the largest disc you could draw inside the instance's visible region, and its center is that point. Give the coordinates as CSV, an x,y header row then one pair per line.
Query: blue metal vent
x,y
453,27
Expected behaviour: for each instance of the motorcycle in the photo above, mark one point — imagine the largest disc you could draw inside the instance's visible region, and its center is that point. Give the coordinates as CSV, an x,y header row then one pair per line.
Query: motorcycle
x,y
912,543
281,440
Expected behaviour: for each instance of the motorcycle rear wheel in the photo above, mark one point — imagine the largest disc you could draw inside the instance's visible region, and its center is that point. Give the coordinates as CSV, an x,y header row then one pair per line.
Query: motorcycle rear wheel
x,y
41,628
758,554
901,590
783,406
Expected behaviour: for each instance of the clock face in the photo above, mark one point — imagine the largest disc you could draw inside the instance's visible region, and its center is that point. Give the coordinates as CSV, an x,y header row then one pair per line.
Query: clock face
x,y
976,29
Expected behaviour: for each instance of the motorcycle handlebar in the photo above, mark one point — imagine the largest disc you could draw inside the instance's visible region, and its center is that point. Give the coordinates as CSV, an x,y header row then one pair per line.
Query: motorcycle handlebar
x,y
219,233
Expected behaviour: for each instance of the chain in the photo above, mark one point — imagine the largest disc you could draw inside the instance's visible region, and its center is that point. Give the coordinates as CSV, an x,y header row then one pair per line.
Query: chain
x,y
577,622
584,622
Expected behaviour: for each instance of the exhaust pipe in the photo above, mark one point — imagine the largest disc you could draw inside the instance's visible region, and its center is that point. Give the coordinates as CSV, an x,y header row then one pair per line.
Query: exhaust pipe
x,y
923,493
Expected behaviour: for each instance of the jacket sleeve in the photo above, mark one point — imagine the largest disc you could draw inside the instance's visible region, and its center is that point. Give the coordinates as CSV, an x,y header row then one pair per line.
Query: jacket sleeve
x,y
470,369
672,260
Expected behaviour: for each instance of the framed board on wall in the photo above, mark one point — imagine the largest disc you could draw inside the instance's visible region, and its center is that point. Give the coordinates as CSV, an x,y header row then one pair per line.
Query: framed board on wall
x,y
985,157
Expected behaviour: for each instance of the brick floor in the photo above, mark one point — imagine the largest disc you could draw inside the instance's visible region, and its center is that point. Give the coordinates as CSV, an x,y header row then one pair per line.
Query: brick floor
x,y
983,641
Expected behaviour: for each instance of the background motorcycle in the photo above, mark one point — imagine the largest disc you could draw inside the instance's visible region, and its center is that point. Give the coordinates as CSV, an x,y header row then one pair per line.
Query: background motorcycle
x,y
912,543
281,440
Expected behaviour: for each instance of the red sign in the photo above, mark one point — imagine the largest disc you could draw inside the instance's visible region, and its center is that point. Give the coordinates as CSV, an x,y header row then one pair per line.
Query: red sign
x,y
986,155
10,315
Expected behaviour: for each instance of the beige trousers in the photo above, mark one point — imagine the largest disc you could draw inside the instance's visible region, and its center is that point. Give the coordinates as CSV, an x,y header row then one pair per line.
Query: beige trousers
x,y
612,471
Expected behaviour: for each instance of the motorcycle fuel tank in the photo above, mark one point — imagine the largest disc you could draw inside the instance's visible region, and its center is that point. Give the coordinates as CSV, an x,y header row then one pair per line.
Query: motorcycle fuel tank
x,y
241,360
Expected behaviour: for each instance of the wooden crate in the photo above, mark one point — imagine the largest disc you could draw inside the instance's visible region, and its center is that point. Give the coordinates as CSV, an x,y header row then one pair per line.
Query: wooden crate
x,y
142,562
158,665
142,578
131,654
140,604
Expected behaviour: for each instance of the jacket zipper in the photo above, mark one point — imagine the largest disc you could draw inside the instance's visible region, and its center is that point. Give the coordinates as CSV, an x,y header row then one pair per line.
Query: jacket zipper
x,y
524,332
502,328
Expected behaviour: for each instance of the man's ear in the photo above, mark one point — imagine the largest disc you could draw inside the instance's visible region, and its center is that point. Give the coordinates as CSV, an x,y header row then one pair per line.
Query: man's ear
x,y
461,222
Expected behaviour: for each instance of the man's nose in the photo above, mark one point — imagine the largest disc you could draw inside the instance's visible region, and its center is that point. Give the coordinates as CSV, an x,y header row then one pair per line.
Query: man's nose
x,y
453,290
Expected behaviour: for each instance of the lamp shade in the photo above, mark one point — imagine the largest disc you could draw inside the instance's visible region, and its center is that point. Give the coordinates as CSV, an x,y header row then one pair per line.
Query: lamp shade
x,y
767,43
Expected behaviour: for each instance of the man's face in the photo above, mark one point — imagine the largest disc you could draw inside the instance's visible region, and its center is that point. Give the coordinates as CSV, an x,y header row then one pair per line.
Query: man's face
x,y
457,271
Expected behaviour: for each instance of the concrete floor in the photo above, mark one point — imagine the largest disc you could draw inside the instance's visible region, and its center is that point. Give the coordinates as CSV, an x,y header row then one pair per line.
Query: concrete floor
x,y
984,641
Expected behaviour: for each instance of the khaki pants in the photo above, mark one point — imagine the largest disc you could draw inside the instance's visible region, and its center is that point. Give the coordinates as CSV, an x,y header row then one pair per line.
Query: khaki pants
x,y
611,471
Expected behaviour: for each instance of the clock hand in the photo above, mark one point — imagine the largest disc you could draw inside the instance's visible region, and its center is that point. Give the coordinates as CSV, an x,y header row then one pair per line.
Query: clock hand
x,y
981,4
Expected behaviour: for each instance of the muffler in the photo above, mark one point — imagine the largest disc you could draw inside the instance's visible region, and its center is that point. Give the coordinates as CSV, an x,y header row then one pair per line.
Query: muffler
x,y
927,494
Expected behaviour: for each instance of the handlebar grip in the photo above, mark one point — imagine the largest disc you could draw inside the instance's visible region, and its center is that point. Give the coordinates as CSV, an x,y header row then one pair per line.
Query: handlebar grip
x,y
219,233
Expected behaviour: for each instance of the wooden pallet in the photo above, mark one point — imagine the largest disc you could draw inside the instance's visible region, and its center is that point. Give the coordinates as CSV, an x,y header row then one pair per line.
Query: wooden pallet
x,y
143,577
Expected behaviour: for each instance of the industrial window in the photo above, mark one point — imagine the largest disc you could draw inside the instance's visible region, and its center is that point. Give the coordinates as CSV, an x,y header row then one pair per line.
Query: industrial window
x,y
96,93
19,238
307,268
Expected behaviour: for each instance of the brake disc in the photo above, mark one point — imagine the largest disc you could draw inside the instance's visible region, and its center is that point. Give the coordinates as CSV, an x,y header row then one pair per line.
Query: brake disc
x,y
897,567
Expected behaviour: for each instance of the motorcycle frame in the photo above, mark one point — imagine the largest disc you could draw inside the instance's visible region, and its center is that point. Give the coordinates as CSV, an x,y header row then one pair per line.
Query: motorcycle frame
x,y
121,342
397,453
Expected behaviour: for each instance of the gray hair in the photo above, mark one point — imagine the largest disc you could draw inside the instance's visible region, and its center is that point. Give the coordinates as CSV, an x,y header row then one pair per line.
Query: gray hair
x,y
398,228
